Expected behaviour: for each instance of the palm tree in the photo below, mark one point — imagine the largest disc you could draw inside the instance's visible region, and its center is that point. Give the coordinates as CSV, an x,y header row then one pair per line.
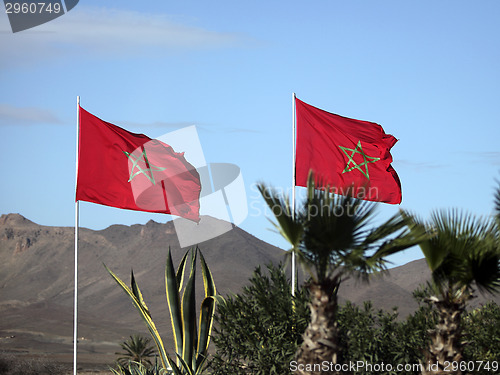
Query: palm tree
x,y
497,207
332,239
463,253
137,349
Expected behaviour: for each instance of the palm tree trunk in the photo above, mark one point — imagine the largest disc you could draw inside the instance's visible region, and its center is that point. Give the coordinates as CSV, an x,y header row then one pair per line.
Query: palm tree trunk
x,y
445,347
319,351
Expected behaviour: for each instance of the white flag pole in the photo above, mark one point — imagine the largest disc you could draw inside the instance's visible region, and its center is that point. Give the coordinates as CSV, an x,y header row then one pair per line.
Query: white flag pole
x,y
75,309
293,187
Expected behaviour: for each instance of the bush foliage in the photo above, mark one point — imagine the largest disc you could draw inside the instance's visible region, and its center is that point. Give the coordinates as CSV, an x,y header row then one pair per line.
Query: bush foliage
x,y
12,365
258,331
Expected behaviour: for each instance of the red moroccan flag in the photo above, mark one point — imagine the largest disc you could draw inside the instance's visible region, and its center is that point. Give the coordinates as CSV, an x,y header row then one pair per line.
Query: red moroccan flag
x,y
344,152
132,171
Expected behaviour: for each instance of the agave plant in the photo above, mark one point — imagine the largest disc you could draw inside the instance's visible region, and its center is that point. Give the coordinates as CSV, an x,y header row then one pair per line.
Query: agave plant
x,y
191,342
137,368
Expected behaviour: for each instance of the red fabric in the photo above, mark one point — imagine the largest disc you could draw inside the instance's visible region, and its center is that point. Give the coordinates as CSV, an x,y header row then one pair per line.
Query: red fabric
x,y
320,138
132,171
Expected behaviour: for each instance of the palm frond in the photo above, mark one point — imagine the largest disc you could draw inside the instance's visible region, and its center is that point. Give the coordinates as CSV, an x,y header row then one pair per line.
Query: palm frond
x,y
434,256
342,234
288,224
398,233
462,251
497,205
483,262
485,271
331,233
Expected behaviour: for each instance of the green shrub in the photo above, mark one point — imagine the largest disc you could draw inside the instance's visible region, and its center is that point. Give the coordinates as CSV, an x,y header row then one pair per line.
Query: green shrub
x,y
482,335
377,336
12,365
258,330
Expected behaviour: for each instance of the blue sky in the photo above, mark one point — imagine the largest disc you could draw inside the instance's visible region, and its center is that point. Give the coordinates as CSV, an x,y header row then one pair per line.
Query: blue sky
x,y
426,71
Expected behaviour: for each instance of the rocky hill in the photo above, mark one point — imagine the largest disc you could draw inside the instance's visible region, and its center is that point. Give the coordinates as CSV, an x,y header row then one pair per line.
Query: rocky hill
x,y
37,283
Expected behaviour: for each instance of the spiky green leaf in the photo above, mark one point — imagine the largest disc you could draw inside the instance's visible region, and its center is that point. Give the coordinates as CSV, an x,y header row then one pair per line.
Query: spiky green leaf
x,y
175,369
189,314
137,293
208,280
181,270
145,316
173,301
185,366
205,323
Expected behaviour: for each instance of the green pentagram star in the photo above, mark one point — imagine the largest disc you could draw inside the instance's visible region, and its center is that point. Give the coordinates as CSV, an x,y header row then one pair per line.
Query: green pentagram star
x,y
150,167
366,160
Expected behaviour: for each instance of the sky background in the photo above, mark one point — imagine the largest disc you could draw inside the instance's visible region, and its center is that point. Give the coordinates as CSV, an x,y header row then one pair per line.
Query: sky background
x,y
427,71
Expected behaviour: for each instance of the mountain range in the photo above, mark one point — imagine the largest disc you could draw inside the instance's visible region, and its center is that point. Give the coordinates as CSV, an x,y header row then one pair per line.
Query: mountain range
x,y
37,283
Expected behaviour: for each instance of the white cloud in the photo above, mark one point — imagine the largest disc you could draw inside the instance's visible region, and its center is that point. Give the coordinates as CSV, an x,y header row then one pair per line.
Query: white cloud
x,y
10,115
107,33
184,124
418,165
485,157
155,124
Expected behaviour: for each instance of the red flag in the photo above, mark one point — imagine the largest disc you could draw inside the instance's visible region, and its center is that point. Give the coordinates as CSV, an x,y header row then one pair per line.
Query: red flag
x,y
132,171
345,152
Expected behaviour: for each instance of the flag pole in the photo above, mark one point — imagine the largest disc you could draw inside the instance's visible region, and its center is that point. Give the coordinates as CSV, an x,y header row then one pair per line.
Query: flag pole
x,y
75,309
293,187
